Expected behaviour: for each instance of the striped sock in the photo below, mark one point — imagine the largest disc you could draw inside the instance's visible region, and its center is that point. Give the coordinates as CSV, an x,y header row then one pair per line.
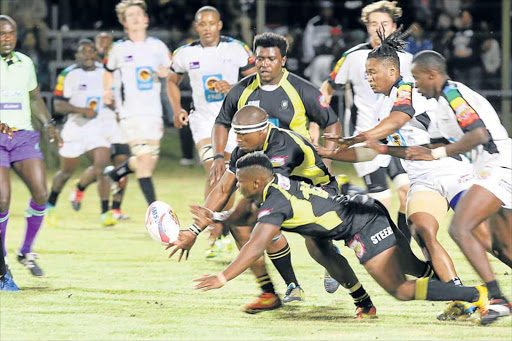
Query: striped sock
x,y
265,284
4,218
360,296
34,216
282,260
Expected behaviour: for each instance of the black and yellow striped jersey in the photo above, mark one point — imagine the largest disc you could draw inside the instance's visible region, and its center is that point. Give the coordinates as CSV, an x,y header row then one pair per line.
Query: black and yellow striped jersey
x,y
291,104
292,156
310,211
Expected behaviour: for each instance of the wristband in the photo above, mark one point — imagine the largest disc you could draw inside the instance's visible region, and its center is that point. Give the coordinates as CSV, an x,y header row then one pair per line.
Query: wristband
x,y
218,156
222,279
383,149
50,122
195,229
220,216
439,153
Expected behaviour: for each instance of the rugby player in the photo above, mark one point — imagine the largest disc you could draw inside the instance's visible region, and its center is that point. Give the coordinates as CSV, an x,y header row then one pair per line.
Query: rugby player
x,y
470,122
143,62
362,222
360,105
213,63
20,99
78,96
119,151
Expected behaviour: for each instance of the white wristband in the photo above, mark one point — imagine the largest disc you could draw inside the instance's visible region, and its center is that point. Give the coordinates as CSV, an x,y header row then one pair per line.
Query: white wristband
x,y
364,154
222,278
439,153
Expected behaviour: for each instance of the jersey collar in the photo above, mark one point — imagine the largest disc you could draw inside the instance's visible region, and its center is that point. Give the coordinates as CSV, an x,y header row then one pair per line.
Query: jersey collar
x,y
283,79
265,190
397,82
14,58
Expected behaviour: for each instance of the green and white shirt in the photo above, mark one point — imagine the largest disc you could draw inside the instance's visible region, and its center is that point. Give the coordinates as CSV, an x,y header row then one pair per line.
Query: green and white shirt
x,y
18,78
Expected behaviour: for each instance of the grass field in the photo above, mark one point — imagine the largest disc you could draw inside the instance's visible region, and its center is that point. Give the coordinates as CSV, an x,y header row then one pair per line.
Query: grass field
x,y
116,283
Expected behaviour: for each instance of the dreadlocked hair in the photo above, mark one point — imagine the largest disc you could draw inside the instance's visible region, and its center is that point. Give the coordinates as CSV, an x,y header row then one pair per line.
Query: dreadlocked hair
x,y
390,45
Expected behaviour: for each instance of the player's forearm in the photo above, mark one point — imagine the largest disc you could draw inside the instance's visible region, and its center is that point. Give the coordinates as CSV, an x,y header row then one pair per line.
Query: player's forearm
x,y
470,141
38,107
327,90
334,129
108,80
217,199
395,151
64,107
174,94
249,253
219,138
388,126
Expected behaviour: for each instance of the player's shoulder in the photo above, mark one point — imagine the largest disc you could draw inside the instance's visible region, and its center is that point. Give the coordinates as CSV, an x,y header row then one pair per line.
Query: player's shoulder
x,y
244,82
300,83
187,47
232,42
452,90
405,82
23,58
73,68
360,49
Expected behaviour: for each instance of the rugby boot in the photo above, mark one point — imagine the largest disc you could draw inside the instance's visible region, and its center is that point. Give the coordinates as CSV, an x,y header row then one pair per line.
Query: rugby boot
x,y
496,308
119,215
365,313
51,215
107,219
28,260
265,302
457,310
8,284
294,293
76,197
330,284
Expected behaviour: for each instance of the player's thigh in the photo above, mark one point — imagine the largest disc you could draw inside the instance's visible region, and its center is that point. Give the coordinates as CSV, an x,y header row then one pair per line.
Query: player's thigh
x,y
474,207
33,173
5,189
425,210
386,269
100,156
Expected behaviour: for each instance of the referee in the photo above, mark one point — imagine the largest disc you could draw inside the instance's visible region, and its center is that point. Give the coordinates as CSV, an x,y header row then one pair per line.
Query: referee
x,y
290,101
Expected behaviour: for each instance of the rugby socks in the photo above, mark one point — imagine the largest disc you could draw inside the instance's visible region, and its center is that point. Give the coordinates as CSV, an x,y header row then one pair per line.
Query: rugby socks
x,y
434,290
116,205
80,187
402,226
146,184
34,216
120,171
493,289
427,271
104,206
265,284
4,218
455,281
360,296
52,199
3,266
282,260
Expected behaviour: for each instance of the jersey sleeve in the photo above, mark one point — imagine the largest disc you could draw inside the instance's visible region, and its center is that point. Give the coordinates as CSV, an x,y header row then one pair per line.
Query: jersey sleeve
x,y
235,155
111,60
466,114
403,102
275,210
339,75
32,78
318,109
229,107
165,55
245,56
178,62
64,87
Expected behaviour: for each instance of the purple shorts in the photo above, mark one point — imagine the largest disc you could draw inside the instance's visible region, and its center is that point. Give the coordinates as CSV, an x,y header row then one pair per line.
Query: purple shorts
x,y
23,146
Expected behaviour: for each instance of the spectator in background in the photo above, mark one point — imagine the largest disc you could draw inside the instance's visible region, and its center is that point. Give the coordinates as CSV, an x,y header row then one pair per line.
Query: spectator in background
x,y
318,35
491,59
31,48
465,54
417,42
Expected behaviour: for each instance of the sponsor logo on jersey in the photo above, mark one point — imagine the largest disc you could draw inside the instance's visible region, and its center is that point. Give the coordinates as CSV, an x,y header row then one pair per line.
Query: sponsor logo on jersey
x,y
255,103
284,104
278,161
193,65
485,173
381,235
10,106
358,246
82,87
10,93
92,102
404,95
323,101
144,76
209,88
128,58
263,213
283,182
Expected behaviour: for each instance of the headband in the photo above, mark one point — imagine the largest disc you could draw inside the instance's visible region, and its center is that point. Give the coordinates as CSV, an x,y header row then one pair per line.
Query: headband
x,y
249,128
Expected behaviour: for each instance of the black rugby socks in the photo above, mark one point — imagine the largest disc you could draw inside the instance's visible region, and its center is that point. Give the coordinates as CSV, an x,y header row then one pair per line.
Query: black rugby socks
x,y
146,185
282,260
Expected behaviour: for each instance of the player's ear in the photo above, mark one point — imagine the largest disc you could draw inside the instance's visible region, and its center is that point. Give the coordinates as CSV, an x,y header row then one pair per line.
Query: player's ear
x,y
220,25
283,61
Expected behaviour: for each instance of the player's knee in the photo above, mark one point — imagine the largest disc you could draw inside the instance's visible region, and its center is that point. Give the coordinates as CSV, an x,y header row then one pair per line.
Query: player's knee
x,y
40,196
4,203
455,232
401,292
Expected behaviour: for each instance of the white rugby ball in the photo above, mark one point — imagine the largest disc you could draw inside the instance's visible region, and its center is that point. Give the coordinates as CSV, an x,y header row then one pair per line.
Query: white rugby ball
x,y
162,223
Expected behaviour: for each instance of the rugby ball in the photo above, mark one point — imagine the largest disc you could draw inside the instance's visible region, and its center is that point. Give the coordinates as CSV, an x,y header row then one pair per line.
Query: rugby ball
x,y
162,223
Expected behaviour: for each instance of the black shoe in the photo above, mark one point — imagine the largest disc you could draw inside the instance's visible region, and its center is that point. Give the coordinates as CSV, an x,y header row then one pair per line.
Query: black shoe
x,y
28,260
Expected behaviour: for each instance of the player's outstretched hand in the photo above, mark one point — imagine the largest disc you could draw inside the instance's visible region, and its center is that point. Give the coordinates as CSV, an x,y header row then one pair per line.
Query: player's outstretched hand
x,y
202,215
217,170
209,282
375,145
418,153
222,86
325,152
185,241
5,129
181,119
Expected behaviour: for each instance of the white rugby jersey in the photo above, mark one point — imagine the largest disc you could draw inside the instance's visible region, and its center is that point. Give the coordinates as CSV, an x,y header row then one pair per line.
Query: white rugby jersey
x,y
137,63
351,69
462,110
419,130
207,65
83,89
